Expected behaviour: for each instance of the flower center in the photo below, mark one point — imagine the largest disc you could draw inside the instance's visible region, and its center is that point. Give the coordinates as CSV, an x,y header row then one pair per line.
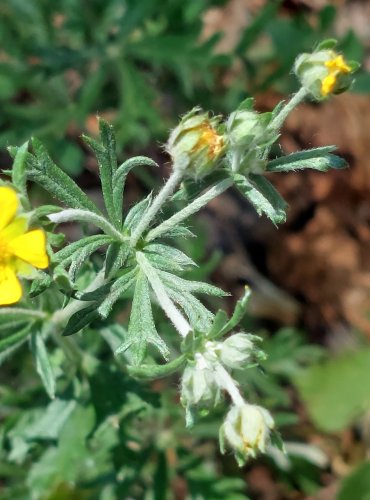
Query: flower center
x,y
209,138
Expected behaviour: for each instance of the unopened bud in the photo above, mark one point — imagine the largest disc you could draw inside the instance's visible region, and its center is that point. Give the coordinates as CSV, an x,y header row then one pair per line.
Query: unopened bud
x,y
246,127
198,383
195,145
324,72
236,350
246,430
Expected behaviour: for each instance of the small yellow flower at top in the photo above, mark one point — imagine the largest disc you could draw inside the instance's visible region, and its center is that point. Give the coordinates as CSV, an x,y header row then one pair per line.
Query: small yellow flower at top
x,y
325,72
20,250
336,67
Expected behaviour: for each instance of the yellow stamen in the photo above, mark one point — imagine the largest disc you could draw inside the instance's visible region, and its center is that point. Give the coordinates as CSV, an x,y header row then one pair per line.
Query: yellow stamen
x,y
211,140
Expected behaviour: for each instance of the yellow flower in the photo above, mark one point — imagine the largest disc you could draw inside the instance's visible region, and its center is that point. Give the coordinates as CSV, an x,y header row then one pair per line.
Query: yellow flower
x,y
20,250
336,66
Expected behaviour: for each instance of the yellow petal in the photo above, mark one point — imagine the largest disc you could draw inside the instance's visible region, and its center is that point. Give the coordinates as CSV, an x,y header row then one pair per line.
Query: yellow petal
x,y
10,288
8,205
31,247
14,229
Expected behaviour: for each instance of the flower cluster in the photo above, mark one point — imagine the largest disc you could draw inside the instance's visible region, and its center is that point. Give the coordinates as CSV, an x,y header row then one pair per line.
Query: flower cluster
x,y
247,427
20,250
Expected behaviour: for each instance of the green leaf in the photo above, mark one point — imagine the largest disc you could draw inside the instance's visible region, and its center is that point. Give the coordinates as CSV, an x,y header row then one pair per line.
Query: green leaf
x,y
105,152
142,330
8,344
137,212
113,254
119,180
182,284
356,485
119,287
199,317
19,169
237,316
43,366
87,245
42,169
263,196
40,284
170,254
316,159
80,319
149,372
336,392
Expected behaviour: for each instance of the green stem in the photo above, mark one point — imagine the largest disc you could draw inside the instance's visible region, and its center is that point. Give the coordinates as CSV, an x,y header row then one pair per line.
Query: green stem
x,y
158,201
297,98
191,209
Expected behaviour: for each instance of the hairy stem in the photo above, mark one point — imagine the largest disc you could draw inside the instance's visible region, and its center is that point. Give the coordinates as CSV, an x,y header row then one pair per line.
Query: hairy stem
x,y
191,209
226,382
297,98
158,201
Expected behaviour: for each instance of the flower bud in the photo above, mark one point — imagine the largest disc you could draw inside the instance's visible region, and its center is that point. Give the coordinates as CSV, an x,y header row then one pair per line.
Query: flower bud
x,y
246,127
246,430
195,145
236,350
324,72
198,383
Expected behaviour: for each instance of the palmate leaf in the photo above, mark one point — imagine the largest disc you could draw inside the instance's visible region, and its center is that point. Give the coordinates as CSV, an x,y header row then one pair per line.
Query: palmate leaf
x,y
263,196
142,330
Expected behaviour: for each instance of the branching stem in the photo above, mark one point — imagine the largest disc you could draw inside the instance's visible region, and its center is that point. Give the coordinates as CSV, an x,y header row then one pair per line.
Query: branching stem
x,y
189,210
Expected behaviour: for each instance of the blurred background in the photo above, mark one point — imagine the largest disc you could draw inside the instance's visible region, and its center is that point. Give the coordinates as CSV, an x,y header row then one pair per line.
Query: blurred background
x,y
142,63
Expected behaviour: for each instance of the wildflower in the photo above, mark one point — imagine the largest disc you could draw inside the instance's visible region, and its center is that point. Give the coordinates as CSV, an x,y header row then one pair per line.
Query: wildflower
x,y
20,250
324,72
247,430
195,145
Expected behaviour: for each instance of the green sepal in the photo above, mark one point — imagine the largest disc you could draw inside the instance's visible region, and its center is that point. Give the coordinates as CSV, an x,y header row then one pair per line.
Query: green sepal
x,y
153,371
327,44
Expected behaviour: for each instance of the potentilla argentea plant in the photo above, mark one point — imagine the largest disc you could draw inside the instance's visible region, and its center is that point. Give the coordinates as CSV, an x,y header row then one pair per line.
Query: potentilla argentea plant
x,y
69,290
